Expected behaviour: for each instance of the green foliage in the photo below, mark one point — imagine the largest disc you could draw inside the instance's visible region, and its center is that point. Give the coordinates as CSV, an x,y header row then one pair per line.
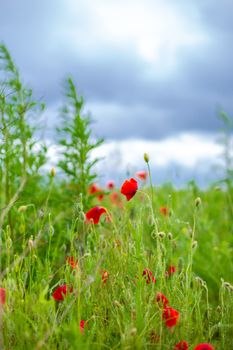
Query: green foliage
x,y
18,158
77,143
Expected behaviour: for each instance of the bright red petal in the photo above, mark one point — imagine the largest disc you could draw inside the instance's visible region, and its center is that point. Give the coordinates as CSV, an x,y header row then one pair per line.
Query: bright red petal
x,y
95,213
129,188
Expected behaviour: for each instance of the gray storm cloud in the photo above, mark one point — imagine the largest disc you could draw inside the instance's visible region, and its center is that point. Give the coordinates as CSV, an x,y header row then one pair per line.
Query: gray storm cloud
x,y
127,96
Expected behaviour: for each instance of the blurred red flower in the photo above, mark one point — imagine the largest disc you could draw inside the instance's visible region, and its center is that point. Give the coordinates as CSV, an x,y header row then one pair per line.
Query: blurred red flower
x,y
142,175
60,293
164,211
2,296
94,189
148,276
72,262
182,345
204,346
110,185
171,270
161,299
129,188
115,199
105,276
171,316
95,213
82,325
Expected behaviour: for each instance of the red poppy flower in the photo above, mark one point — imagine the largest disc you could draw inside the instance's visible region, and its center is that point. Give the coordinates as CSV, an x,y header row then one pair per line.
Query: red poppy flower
x,y
82,325
129,188
204,346
115,199
182,345
94,189
148,276
72,262
171,316
142,175
171,270
95,213
105,276
161,299
2,296
164,211
110,185
60,293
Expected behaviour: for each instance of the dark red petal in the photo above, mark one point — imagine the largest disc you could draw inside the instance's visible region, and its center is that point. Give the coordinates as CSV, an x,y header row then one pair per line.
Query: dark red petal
x,y
182,345
2,296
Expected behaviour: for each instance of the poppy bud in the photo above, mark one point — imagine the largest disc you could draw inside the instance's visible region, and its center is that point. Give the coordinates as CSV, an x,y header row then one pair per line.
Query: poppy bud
x,y
194,245
53,172
161,234
22,209
170,236
146,157
197,201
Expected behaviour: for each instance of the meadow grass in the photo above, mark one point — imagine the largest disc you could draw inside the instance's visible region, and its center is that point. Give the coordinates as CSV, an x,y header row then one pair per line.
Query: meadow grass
x,y
121,312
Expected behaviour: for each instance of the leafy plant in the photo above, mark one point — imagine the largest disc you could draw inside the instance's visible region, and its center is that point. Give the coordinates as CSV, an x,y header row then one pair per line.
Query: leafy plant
x,y
77,143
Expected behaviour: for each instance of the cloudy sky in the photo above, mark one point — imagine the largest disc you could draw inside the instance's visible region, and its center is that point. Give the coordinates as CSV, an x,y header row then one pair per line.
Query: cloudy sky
x,y
154,74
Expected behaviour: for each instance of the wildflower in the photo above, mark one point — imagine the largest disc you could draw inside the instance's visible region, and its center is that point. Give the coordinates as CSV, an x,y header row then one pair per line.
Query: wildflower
x,y
94,189
204,346
171,316
60,293
115,199
2,296
110,185
164,211
171,270
161,299
95,213
72,262
105,276
82,325
148,276
142,175
182,345
129,188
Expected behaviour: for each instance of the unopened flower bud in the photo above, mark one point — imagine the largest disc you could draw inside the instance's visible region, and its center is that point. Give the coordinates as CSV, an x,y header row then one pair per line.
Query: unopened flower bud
x,y
161,234
22,209
133,332
146,157
194,245
170,236
53,172
197,201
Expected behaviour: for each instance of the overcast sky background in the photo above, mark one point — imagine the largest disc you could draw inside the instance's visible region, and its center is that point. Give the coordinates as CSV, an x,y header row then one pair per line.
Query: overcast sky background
x,y
154,74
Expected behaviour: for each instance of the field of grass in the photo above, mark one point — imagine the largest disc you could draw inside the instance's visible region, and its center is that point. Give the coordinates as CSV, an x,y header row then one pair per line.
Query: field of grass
x,y
105,283
84,267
